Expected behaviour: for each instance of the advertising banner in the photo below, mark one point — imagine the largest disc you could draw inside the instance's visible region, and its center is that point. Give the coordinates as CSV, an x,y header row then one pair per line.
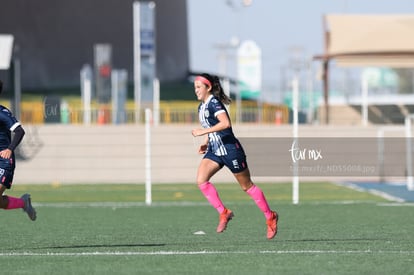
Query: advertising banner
x,y
249,69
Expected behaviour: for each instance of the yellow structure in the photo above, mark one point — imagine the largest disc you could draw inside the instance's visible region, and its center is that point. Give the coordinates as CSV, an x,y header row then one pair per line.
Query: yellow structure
x,y
34,112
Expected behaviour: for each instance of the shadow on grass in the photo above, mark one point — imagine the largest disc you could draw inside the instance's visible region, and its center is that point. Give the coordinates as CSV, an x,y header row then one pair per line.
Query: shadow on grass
x,y
102,246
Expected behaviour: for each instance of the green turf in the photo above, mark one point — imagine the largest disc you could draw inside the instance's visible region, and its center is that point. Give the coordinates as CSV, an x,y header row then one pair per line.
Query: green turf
x,y
101,229
279,193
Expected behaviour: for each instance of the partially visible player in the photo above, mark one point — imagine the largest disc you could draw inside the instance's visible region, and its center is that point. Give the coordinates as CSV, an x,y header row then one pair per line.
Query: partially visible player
x,y
221,148
9,124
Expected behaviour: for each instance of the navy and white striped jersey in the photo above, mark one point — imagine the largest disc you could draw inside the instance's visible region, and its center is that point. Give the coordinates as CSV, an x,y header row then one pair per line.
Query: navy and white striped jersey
x,y
7,125
207,113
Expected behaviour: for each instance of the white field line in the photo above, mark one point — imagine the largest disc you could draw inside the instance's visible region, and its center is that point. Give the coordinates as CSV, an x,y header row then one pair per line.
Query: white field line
x,y
396,204
202,252
170,204
374,192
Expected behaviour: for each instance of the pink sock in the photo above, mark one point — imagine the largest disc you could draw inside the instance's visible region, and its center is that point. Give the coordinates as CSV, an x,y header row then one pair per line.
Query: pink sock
x,y
210,192
14,203
257,195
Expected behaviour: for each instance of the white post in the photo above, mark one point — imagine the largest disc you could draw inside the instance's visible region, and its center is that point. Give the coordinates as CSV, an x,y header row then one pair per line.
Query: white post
x,y
148,193
156,102
114,94
87,102
380,142
86,92
295,99
408,136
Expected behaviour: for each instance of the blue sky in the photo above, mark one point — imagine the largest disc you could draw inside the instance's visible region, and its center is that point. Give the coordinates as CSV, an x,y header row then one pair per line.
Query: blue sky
x,y
276,26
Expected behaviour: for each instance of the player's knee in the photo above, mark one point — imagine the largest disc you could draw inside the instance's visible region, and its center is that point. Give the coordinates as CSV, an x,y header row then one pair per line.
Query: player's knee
x,y
246,185
3,202
201,181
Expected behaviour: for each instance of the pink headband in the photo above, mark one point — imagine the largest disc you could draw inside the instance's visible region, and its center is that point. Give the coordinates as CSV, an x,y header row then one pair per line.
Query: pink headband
x,y
203,80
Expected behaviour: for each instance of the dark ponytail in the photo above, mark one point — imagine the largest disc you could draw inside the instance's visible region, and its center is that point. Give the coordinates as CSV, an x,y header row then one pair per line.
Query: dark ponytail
x,y
217,89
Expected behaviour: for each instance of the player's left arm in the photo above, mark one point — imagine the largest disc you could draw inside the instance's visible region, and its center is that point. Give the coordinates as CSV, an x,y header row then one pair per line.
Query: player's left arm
x,y
17,138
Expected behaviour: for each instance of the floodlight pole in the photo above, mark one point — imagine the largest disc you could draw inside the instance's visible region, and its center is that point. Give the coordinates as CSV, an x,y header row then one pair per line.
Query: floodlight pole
x,y
223,57
137,59
17,87
156,102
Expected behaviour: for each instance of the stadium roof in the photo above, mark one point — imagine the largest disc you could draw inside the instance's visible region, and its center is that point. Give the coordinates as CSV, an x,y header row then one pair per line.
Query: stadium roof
x,y
370,40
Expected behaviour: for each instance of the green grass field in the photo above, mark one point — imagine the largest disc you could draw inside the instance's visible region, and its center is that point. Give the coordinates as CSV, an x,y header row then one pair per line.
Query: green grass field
x,y
108,229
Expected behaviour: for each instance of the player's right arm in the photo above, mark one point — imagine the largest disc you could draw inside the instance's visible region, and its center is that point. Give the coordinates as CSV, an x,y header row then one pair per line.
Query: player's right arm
x,y
203,147
17,138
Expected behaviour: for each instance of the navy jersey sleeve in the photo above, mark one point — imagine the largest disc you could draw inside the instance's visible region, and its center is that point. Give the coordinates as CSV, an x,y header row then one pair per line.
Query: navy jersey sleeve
x,y
7,119
8,123
216,107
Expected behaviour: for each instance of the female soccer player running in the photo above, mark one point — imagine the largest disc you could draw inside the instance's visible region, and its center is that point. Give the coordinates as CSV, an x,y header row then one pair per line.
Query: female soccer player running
x,y
8,124
221,148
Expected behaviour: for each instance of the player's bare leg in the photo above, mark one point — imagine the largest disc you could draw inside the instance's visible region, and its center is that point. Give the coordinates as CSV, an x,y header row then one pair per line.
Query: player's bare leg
x,y
4,202
206,170
9,203
259,198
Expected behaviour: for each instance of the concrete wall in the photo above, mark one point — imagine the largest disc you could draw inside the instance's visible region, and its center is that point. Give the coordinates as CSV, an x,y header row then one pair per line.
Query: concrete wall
x,y
116,154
